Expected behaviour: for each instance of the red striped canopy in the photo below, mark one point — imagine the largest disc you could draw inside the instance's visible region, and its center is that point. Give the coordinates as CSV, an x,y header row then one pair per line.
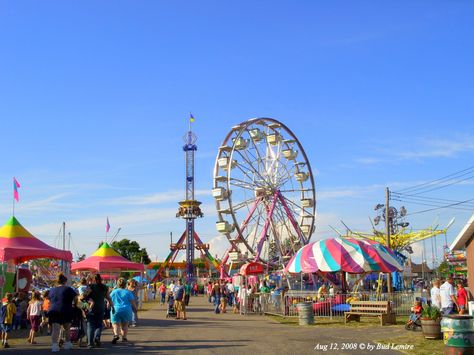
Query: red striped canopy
x,y
106,259
19,245
343,254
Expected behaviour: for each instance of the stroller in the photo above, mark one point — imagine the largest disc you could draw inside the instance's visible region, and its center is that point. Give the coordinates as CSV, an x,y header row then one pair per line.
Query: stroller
x,y
171,311
414,322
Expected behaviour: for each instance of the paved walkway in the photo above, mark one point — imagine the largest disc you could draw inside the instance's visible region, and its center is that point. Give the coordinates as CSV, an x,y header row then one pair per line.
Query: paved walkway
x,y
207,333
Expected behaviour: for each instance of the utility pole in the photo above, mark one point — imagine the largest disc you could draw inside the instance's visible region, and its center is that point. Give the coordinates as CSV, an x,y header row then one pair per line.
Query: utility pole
x,y
64,235
387,226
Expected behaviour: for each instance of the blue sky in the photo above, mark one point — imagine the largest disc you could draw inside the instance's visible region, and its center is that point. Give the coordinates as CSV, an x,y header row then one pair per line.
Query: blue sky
x,y
95,97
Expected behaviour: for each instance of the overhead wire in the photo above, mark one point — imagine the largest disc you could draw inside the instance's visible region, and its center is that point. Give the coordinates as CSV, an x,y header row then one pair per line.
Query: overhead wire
x,y
466,205
438,181
438,208
426,198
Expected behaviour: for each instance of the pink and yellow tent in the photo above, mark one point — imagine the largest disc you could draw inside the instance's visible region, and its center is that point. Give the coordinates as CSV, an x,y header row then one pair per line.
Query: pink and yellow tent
x,y
106,259
19,245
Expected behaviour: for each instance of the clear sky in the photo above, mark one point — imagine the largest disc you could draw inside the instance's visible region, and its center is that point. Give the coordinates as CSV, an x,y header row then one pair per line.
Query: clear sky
x,y
95,98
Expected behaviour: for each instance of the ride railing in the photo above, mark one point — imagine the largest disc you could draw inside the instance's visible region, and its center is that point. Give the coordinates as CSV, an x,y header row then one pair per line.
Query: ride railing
x,y
326,306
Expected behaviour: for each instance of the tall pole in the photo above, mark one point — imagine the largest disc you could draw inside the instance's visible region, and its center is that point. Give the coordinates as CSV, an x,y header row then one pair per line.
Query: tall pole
x,y
64,235
63,263
387,227
189,209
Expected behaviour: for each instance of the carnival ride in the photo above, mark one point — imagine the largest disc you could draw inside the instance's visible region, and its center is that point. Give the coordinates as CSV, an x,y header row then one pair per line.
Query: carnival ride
x,y
403,238
264,193
189,210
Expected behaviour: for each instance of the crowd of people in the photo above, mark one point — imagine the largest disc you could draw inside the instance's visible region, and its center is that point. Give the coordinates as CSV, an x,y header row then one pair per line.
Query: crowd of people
x,y
72,314
448,298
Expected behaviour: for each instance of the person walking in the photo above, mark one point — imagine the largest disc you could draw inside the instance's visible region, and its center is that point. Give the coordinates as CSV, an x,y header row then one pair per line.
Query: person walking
x,y
7,314
132,287
60,312
180,300
98,293
187,292
163,293
123,301
461,297
435,294
448,299
216,294
34,316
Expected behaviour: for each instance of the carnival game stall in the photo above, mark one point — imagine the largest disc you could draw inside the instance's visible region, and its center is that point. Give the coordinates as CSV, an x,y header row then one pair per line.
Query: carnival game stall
x,y
17,246
248,289
333,257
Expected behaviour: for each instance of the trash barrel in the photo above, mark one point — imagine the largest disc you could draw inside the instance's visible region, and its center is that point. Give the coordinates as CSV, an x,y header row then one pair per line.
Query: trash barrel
x,y
305,313
458,334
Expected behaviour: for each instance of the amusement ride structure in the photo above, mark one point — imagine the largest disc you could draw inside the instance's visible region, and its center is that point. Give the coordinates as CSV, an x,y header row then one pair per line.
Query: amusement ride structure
x,y
264,193
188,210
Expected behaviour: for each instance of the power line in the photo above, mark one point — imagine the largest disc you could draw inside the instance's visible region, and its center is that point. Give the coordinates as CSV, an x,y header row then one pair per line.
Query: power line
x,y
424,198
437,208
434,182
446,185
434,203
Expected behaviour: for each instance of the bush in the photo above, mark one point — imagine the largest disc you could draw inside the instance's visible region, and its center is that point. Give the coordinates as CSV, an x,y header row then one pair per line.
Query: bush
x,y
430,312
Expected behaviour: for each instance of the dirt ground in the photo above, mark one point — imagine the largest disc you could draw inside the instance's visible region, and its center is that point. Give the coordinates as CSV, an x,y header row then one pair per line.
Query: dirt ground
x,y
207,333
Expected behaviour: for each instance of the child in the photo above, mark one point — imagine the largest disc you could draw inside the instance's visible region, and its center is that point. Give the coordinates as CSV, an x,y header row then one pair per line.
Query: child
x,y
44,313
77,330
106,320
33,313
7,314
223,304
416,311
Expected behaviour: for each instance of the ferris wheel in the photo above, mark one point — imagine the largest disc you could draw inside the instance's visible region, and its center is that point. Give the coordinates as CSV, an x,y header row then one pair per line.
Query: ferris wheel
x,y
264,192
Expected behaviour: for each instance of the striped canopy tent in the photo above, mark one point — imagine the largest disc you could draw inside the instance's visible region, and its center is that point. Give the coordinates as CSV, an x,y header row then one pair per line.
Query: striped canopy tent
x,y
351,255
106,259
19,245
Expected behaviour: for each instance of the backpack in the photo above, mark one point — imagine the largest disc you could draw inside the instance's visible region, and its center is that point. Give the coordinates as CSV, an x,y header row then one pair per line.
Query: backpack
x,y
3,313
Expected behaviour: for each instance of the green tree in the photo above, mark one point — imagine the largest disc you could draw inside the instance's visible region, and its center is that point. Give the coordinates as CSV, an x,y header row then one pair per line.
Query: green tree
x,y
131,250
444,268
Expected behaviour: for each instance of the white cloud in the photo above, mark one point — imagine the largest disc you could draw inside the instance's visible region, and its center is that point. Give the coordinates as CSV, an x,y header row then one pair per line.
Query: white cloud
x,y
422,148
47,204
158,198
218,245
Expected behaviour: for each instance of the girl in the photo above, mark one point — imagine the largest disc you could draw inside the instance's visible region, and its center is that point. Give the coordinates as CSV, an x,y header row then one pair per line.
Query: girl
x,y
33,313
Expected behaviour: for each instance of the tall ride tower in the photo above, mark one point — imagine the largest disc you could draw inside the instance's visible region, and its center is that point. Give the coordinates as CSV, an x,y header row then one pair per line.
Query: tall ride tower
x,y
189,208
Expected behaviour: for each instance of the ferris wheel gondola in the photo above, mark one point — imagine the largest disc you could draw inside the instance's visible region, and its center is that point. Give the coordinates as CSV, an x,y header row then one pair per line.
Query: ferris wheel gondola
x,y
264,192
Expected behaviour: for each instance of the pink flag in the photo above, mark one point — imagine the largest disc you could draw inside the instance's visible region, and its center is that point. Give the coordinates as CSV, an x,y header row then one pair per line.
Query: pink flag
x,y
107,226
16,185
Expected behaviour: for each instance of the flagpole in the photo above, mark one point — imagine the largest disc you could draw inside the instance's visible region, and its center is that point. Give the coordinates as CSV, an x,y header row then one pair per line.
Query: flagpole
x,y
13,210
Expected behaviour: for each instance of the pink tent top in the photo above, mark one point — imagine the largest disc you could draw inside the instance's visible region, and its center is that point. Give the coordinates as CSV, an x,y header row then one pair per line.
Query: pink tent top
x,y
106,259
19,245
